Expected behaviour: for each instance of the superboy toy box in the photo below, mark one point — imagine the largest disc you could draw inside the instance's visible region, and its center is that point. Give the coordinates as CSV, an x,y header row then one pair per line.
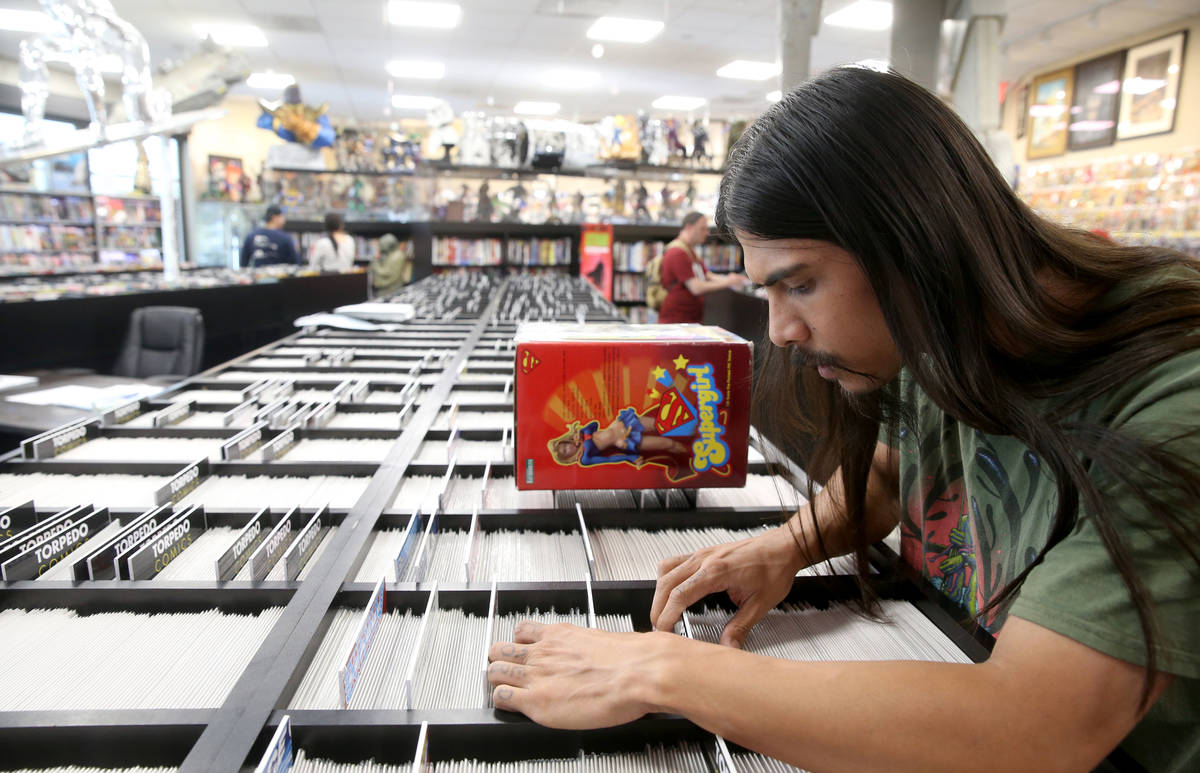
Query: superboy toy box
x,y
630,406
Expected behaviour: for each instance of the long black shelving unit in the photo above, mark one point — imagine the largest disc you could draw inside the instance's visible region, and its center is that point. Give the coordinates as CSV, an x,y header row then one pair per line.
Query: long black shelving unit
x,y
461,357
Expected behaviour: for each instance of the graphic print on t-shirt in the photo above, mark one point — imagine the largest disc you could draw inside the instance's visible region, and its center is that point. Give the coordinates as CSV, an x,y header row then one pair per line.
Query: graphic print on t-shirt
x,y
954,520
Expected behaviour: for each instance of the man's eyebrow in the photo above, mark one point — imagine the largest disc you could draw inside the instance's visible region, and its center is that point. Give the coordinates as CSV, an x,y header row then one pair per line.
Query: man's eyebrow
x,y
783,273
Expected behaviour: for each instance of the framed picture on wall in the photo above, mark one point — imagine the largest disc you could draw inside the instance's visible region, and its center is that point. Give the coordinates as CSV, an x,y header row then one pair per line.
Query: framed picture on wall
x,y
1048,112
1093,116
1022,97
1151,87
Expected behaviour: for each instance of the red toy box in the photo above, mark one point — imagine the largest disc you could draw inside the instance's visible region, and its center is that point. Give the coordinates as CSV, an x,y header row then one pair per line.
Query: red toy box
x,y
630,406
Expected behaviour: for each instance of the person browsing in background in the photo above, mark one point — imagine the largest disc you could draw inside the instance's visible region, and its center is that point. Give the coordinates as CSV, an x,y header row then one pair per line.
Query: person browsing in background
x,y
1021,398
335,250
684,276
269,244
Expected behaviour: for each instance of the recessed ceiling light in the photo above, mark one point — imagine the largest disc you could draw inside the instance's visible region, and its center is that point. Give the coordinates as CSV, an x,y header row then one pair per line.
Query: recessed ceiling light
x,y
404,13
743,69
774,96
624,30
429,71
411,102
536,108
678,103
25,21
273,81
570,80
863,15
597,51
234,35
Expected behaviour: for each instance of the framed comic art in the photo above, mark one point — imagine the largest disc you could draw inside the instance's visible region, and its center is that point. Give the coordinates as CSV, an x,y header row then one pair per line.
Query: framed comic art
x,y
1049,107
1093,116
1150,87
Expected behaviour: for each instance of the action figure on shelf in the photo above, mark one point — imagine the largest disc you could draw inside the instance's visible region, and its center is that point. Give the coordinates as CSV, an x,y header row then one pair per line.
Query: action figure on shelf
x,y
518,198
618,199
441,122
295,121
675,147
689,198
485,208
577,214
668,213
552,215
700,154
640,197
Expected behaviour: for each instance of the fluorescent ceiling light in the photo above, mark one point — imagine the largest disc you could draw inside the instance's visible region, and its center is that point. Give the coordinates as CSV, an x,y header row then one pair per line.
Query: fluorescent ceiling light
x,y
536,108
403,13
25,21
743,69
234,35
678,103
411,102
624,30
774,96
863,15
570,80
428,71
273,81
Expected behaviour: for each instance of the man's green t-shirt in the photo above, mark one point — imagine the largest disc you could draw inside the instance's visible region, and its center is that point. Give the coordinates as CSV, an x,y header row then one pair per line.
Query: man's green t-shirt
x,y
977,508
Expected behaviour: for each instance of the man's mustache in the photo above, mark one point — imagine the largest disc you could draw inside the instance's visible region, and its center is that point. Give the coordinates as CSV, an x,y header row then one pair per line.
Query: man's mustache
x,y
804,359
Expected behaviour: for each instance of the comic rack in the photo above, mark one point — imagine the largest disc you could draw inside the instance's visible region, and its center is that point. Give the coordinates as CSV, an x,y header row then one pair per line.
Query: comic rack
x,y
315,481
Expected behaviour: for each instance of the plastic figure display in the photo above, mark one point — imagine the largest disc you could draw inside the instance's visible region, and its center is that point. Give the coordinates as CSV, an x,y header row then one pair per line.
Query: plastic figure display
x,y
85,34
631,406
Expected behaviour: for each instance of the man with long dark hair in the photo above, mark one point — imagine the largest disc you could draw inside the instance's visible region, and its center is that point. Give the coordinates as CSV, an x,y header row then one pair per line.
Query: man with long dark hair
x,y
1021,398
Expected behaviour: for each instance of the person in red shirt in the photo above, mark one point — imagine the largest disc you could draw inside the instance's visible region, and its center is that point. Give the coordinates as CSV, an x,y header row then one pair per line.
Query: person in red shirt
x,y
684,276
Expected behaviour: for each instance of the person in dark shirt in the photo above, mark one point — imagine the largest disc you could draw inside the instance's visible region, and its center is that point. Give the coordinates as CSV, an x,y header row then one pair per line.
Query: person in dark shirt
x,y
269,244
685,277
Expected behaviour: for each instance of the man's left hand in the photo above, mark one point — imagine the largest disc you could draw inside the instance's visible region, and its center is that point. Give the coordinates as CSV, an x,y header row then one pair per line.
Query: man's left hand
x,y
574,678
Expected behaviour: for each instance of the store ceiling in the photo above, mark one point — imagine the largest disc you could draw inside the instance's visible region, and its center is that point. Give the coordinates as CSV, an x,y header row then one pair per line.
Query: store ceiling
x,y
499,53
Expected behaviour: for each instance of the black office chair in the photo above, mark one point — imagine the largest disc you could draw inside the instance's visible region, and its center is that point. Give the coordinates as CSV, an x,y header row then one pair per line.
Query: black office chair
x,y
162,341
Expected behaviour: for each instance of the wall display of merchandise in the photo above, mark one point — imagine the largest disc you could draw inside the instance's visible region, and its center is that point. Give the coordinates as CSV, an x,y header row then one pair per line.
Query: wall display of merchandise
x,y
127,283
1119,96
450,251
458,194
50,233
1149,198
624,169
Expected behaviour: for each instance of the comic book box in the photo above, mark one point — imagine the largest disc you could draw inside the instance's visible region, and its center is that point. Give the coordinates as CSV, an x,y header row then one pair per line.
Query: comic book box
x,y
630,406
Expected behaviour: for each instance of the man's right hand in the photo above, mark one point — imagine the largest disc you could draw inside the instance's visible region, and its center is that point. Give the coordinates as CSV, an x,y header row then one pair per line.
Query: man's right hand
x,y
756,572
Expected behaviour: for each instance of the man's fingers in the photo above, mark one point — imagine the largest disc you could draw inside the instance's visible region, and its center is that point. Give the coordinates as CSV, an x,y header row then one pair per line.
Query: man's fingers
x,y
671,572
738,627
510,652
528,631
510,698
512,674
697,586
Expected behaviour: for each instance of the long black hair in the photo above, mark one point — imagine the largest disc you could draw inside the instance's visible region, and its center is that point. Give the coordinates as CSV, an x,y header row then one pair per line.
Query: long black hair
x,y
875,164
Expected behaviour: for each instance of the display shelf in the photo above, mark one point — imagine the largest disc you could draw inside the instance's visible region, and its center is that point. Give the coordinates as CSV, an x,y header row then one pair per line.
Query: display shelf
x,y
45,222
